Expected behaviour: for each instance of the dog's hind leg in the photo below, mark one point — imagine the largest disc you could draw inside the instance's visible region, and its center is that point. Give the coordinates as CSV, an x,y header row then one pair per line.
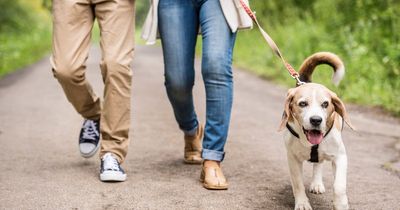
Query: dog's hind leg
x,y
296,176
317,185
340,201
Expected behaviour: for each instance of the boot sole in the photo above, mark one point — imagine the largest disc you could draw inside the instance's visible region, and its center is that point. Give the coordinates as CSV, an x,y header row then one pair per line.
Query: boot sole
x,y
193,162
111,177
209,187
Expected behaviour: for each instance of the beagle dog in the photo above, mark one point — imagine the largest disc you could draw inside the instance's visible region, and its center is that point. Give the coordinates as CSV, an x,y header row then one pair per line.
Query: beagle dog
x,y
313,119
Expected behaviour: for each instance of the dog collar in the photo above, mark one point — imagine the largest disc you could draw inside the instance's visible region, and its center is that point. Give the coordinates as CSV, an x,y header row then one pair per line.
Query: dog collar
x,y
292,130
314,148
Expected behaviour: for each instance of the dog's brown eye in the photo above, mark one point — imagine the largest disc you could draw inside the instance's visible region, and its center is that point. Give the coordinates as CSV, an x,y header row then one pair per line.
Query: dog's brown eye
x,y
303,104
325,104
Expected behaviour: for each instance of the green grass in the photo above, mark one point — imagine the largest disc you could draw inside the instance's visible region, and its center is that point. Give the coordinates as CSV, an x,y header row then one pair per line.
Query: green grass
x,y
364,82
25,34
19,50
367,41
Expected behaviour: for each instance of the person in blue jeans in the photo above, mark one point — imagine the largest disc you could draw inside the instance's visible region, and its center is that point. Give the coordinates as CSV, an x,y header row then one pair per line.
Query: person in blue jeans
x,y
179,22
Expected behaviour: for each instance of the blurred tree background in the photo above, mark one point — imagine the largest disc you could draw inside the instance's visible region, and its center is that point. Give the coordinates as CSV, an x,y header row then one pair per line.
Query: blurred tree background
x,y
142,7
364,33
24,33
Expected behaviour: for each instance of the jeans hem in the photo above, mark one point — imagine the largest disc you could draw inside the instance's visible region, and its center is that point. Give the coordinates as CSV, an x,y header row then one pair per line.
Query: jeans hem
x,y
192,131
212,155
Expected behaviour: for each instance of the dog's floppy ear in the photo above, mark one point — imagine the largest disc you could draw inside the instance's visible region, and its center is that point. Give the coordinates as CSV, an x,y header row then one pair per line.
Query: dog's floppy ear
x,y
287,110
340,109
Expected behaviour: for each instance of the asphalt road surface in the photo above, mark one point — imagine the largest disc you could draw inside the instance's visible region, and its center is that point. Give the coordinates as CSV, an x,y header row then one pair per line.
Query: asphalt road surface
x,y
40,165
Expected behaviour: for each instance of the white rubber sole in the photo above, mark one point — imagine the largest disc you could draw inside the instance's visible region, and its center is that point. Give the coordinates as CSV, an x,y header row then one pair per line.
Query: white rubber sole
x,y
112,176
90,154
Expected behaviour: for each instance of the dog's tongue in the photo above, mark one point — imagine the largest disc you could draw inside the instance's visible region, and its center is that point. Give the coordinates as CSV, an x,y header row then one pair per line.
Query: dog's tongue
x,y
314,136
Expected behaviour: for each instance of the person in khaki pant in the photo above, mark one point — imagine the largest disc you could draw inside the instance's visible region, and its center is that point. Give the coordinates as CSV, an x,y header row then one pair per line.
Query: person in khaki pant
x,y
72,24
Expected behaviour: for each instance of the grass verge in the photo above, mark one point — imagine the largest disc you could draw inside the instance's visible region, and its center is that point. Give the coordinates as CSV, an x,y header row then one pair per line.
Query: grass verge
x,y
367,81
25,34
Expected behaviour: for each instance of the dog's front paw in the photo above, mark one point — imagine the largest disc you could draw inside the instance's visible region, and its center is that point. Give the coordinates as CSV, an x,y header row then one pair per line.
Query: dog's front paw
x,y
341,203
317,188
342,206
303,205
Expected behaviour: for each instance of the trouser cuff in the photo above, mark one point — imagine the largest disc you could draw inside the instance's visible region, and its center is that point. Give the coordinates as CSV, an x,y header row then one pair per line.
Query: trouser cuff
x,y
213,155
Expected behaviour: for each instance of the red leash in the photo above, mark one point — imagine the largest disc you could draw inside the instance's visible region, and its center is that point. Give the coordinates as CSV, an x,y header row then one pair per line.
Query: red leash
x,y
272,44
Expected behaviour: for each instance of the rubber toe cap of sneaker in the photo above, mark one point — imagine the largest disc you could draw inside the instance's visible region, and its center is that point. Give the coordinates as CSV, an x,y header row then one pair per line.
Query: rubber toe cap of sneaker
x,y
87,148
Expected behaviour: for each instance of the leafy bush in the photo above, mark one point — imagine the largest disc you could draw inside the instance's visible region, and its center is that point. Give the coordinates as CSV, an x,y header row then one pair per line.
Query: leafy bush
x,y
24,33
364,33
142,7
13,17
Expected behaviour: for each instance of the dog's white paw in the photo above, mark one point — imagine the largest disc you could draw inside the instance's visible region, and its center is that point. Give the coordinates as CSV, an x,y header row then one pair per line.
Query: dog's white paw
x,y
341,203
342,206
317,188
303,205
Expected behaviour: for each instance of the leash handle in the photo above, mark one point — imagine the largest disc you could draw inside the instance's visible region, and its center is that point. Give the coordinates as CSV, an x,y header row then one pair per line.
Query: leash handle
x,y
272,44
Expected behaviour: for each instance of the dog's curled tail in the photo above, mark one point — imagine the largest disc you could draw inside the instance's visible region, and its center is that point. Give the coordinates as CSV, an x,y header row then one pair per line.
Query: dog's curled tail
x,y
308,66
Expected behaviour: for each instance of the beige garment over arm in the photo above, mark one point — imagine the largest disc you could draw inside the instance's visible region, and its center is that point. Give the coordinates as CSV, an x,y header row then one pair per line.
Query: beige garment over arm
x,y
234,13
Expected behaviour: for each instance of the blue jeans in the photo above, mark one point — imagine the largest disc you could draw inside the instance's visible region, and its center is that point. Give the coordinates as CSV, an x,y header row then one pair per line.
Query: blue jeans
x,y
178,23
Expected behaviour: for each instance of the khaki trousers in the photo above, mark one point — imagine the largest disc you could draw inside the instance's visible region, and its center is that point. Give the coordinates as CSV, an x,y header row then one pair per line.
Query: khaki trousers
x,y
72,24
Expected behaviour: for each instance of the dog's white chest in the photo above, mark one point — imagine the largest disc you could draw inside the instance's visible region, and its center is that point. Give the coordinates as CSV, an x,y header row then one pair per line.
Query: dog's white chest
x,y
326,151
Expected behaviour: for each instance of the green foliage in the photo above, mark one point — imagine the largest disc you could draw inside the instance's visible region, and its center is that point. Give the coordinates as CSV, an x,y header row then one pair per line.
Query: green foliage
x,y
13,17
142,7
24,33
364,33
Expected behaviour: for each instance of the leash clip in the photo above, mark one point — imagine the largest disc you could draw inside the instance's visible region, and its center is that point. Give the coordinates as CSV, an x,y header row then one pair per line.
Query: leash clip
x,y
298,81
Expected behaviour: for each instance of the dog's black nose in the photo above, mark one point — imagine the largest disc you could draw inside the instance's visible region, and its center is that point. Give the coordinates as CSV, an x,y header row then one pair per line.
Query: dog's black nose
x,y
315,120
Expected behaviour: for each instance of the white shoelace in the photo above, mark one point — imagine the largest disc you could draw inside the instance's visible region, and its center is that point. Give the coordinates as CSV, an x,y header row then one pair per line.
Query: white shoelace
x,y
89,130
110,163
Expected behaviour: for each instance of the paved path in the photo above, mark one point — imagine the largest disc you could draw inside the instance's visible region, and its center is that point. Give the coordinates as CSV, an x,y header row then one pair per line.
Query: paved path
x,y
41,167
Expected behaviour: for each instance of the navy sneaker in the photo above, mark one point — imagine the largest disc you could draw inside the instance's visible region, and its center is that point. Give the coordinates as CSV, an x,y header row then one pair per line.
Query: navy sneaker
x,y
89,138
110,169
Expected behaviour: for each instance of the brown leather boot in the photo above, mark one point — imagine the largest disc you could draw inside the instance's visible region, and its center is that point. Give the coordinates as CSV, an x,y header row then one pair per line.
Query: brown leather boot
x,y
212,176
193,147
